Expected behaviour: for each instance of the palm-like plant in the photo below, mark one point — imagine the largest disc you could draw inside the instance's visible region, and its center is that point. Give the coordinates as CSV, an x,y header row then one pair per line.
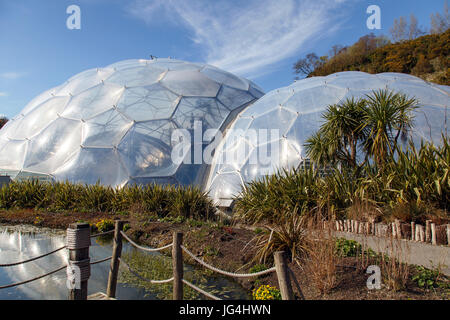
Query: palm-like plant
x,y
338,138
387,117
319,149
374,124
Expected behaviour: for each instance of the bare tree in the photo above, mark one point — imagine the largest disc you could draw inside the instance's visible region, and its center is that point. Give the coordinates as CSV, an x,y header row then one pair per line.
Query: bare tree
x,y
399,29
335,50
440,23
414,30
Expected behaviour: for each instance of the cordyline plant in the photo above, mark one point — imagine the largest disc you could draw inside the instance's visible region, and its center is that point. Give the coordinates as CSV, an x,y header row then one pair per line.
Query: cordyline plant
x,y
372,125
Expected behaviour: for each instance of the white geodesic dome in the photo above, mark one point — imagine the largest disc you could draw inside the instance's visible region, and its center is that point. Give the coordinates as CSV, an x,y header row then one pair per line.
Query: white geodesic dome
x,y
294,112
114,124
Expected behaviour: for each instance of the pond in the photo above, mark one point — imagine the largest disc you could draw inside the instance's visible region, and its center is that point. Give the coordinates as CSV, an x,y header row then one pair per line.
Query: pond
x,y
19,243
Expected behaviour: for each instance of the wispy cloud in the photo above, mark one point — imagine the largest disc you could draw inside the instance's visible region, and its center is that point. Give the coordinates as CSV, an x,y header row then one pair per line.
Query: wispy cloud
x,y
11,75
247,38
3,94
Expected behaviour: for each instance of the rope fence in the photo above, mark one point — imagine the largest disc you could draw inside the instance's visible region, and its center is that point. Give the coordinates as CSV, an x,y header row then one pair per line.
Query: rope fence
x,y
207,294
33,279
142,278
32,259
226,273
177,264
134,244
102,234
100,261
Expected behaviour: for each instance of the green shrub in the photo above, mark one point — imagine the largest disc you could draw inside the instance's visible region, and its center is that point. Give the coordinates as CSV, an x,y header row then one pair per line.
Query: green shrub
x,y
258,268
26,194
177,203
348,248
105,225
429,278
157,199
260,200
191,202
64,196
96,198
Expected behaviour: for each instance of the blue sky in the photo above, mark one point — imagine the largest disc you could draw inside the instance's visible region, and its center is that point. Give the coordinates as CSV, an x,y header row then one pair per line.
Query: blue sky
x,y
257,39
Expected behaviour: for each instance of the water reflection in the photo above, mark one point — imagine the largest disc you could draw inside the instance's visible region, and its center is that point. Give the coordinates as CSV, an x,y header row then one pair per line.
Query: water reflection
x,y
19,243
23,242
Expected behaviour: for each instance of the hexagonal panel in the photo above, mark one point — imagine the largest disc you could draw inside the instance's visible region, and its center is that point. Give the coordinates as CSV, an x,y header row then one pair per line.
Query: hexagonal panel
x,y
145,153
209,111
190,83
49,150
148,103
93,101
105,130
37,119
137,76
82,168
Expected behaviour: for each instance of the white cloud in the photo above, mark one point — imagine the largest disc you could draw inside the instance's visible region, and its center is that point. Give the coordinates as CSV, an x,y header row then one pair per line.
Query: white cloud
x,y
3,94
11,75
247,38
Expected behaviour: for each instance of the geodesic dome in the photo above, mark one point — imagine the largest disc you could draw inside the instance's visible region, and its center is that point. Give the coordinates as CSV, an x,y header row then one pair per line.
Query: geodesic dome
x,y
114,124
294,113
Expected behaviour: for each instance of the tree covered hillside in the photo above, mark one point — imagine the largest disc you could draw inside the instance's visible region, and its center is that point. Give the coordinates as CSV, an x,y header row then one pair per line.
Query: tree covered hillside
x,y
426,57
409,49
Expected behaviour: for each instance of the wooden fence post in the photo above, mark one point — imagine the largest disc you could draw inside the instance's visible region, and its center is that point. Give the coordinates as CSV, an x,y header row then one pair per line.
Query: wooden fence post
x,y
393,231
177,265
413,231
78,242
433,234
448,234
428,231
283,276
116,254
398,228
421,232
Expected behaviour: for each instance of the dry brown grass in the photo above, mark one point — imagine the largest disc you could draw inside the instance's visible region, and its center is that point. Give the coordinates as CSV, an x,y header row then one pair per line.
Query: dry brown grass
x,y
363,211
321,263
395,273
